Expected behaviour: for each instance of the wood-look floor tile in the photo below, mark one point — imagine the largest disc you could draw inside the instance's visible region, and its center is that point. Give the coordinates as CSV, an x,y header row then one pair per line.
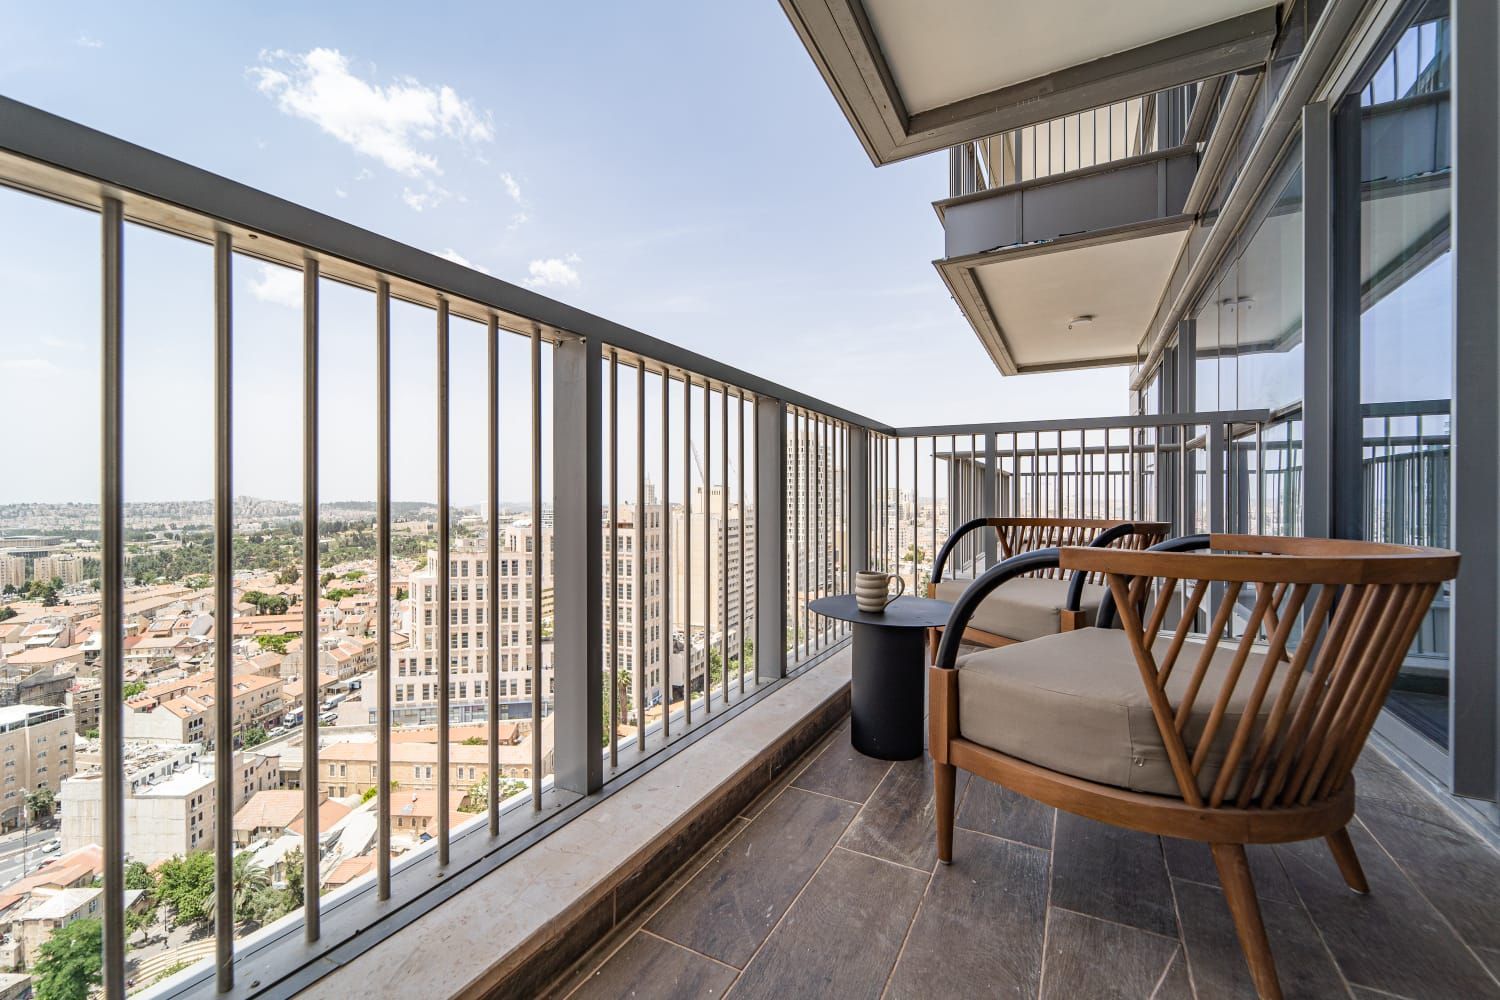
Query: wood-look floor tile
x,y
1218,965
730,906
1455,871
648,966
979,931
1102,960
842,771
1192,860
841,937
898,822
1000,812
1112,873
1391,939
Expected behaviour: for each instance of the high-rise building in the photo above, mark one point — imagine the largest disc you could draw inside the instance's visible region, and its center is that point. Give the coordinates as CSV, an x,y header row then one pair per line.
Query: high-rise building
x,y
417,669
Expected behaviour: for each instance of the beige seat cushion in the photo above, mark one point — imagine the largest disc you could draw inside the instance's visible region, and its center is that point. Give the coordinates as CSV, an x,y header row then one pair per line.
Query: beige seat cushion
x,y
1024,608
1075,703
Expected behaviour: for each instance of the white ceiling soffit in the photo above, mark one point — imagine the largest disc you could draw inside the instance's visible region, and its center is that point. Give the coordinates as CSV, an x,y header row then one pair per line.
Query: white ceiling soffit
x,y
1021,302
917,77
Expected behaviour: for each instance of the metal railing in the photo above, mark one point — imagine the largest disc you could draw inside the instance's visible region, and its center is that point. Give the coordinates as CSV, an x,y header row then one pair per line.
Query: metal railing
x,y
680,513
1110,467
1133,127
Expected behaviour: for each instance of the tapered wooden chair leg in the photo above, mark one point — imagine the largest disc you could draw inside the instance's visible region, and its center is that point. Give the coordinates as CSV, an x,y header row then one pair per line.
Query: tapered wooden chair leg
x,y
1343,852
1244,907
944,780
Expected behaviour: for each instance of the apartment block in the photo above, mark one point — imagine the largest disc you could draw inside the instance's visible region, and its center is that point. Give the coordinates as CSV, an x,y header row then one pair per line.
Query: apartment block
x,y
36,751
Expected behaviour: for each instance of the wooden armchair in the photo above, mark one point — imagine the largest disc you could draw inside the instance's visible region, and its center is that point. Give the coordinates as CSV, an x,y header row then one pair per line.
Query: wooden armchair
x,y
1050,600
1233,739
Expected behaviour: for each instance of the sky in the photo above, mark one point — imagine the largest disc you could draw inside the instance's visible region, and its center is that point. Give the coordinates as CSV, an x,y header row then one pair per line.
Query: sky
x,y
680,168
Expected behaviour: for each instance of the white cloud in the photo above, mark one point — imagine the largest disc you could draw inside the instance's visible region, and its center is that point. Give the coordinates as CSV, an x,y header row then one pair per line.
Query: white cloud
x,y
512,188
397,124
85,42
279,286
341,192
458,258
518,220
27,365
418,201
556,272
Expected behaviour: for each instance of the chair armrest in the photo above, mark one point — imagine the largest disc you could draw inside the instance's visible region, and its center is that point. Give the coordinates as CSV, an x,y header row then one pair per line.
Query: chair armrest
x,y
953,632
1186,543
1104,539
953,539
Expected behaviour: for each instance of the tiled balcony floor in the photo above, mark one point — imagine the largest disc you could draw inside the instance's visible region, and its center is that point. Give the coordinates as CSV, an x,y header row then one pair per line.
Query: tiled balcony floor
x,y
828,887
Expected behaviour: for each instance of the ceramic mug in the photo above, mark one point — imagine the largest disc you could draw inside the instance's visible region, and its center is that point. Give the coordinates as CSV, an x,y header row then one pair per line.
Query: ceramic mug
x,y
872,590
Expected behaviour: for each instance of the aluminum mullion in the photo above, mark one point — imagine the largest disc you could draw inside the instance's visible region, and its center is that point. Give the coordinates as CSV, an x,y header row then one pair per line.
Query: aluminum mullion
x,y
614,557
445,581
492,570
666,555
112,589
311,874
223,608
383,598
642,560
537,556
687,550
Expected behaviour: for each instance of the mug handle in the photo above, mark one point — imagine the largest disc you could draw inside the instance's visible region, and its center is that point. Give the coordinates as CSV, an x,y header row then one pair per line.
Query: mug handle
x,y
900,589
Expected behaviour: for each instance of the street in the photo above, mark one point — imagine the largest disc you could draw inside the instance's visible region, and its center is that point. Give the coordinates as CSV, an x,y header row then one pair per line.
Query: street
x,y
10,853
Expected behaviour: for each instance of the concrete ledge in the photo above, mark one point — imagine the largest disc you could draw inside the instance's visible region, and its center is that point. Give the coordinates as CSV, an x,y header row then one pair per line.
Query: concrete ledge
x,y
518,928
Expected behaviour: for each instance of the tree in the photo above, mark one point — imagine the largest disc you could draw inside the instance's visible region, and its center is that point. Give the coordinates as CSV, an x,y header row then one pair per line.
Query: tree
x,y
289,576
70,962
276,643
40,803
6,611
187,884
133,688
478,798
248,881
294,883
138,876
253,736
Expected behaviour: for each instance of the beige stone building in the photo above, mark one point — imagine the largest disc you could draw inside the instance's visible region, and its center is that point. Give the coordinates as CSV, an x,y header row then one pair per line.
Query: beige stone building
x,y
36,751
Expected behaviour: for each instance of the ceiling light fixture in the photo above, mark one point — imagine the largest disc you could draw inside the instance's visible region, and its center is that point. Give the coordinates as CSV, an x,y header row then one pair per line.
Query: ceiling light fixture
x,y
1083,320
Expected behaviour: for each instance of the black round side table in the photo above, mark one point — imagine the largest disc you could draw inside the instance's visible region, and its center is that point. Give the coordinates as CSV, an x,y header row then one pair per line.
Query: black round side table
x,y
887,684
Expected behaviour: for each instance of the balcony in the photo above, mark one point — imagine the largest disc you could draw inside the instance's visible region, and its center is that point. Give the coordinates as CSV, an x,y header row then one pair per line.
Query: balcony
x,y
590,740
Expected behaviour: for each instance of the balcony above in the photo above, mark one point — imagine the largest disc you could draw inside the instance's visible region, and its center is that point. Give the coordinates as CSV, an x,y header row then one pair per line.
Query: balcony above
x,y
912,80
1066,271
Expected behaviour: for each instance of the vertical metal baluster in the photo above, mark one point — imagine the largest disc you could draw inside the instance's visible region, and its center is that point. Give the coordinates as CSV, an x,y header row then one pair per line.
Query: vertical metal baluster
x,y
492,587
708,549
614,557
666,555
915,508
383,599
932,552
310,850
445,581
975,548
815,527
1061,479
642,559
1260,478
755,442
723,534
112,587
687,548
535,583
896,519
825,511
795,521
223,607
743,523
1108,513
807,537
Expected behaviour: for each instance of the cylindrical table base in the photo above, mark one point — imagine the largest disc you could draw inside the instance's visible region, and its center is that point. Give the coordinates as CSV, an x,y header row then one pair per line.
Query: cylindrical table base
x,y
887,691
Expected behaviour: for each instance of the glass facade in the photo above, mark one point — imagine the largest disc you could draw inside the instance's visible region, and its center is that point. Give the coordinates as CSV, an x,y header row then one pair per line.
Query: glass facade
x,y
1405,324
